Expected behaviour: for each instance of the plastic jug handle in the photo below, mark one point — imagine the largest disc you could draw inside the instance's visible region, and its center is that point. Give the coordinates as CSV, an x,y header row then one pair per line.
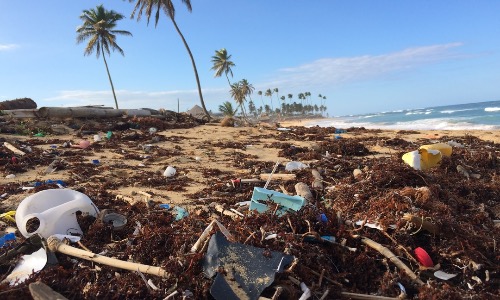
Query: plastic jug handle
x,y
22,226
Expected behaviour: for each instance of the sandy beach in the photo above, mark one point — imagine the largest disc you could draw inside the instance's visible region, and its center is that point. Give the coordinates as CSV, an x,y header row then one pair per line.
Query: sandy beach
x,y
126,169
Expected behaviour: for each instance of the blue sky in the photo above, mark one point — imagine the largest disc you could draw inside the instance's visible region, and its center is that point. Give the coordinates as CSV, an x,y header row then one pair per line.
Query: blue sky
x,y
364,56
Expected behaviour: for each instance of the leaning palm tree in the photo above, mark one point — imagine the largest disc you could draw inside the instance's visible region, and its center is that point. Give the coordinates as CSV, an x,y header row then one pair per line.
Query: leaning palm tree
x,y
98,27
147,7
247,88
222,64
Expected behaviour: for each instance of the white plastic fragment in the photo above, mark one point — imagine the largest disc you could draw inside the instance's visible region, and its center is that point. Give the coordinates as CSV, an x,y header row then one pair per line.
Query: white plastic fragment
x,y
306,292
402,288
152,285
271,236
295,165
28,264
443,275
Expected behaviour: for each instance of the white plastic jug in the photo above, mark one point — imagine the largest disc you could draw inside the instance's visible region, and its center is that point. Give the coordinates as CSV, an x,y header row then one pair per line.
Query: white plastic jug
x,y
56,210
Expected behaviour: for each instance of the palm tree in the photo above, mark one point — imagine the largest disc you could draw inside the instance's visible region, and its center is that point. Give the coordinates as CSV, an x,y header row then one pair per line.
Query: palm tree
x,y
227,109
147,7
260,94
247,88
269,94
238,95
277,95
98,26
222,64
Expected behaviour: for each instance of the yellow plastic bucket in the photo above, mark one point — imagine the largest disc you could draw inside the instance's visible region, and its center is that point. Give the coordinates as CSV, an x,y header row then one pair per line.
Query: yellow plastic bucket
x,y
427,156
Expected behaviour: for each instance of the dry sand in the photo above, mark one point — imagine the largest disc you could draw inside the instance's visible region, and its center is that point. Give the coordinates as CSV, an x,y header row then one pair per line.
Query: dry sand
x,y
197,152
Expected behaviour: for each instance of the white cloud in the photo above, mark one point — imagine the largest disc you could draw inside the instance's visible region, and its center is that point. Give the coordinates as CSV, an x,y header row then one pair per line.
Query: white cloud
x,y
6,47
337,71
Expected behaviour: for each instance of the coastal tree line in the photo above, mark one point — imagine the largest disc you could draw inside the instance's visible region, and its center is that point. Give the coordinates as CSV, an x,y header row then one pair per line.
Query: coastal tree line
x,y
99,31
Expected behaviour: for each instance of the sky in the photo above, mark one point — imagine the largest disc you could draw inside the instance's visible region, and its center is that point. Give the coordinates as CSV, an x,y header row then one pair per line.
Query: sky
x,y
364,56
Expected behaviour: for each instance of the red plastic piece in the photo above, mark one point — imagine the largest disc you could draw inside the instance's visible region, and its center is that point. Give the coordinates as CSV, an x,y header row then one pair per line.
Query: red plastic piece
x,y
423,257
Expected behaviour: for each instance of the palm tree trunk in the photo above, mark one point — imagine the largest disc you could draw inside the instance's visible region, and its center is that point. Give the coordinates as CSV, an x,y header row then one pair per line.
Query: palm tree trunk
x,y
109,76
194,66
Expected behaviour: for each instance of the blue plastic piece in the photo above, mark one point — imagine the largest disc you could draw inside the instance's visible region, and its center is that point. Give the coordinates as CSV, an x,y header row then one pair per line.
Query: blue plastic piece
x,y
180,213
165,206
323,218
8,237
286,202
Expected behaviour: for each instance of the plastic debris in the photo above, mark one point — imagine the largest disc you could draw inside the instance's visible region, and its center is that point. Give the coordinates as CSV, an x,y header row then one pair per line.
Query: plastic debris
x,y
261,198
443,275
169,171
247,270
28,265
7,238
55,212
423,257
427,156
295,165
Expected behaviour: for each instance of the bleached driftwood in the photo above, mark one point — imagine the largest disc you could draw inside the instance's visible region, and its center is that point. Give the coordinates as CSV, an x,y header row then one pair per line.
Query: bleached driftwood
x,y
56,244
265,176
13,149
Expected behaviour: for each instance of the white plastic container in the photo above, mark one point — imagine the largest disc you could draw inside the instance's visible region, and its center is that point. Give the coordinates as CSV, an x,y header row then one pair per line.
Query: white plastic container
x,y
97,138
169,172
56,211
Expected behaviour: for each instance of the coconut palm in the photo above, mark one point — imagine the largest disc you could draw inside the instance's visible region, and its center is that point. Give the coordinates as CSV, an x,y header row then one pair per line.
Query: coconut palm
x,y
238,94
227,109
247,88
269,94
222,64
98,27
146,7
260,94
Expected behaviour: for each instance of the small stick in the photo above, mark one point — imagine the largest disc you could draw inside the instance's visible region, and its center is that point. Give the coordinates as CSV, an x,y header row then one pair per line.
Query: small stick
x,y
321,277
326,278
277,293
202,237
290,223
325,294
392,257
250,236
271,175
366,297
56,244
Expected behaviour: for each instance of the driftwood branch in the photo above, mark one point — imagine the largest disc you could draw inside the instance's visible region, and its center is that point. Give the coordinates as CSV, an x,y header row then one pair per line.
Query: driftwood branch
x,y
392,257
56,244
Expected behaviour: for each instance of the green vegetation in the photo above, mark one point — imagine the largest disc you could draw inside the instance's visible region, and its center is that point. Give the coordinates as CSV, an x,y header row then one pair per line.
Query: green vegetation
x,y
227,109
98,27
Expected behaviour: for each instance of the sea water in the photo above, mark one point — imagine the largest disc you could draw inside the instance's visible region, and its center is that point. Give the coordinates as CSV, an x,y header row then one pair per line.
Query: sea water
x,y
470,116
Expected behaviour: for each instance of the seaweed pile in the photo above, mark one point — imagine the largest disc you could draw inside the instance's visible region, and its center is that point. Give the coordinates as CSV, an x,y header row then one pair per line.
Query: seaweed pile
x,y
376,211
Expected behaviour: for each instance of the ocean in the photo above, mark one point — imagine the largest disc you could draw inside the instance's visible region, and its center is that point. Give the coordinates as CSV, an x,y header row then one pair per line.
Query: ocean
x,y
470,116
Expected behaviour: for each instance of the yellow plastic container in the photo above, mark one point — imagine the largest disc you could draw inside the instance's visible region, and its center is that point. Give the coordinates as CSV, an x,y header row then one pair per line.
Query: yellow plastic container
x,y
427,156
445,149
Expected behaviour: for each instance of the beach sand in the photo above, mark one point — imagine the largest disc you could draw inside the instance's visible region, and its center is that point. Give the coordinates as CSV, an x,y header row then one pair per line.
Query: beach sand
x,y
196,149
208,157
